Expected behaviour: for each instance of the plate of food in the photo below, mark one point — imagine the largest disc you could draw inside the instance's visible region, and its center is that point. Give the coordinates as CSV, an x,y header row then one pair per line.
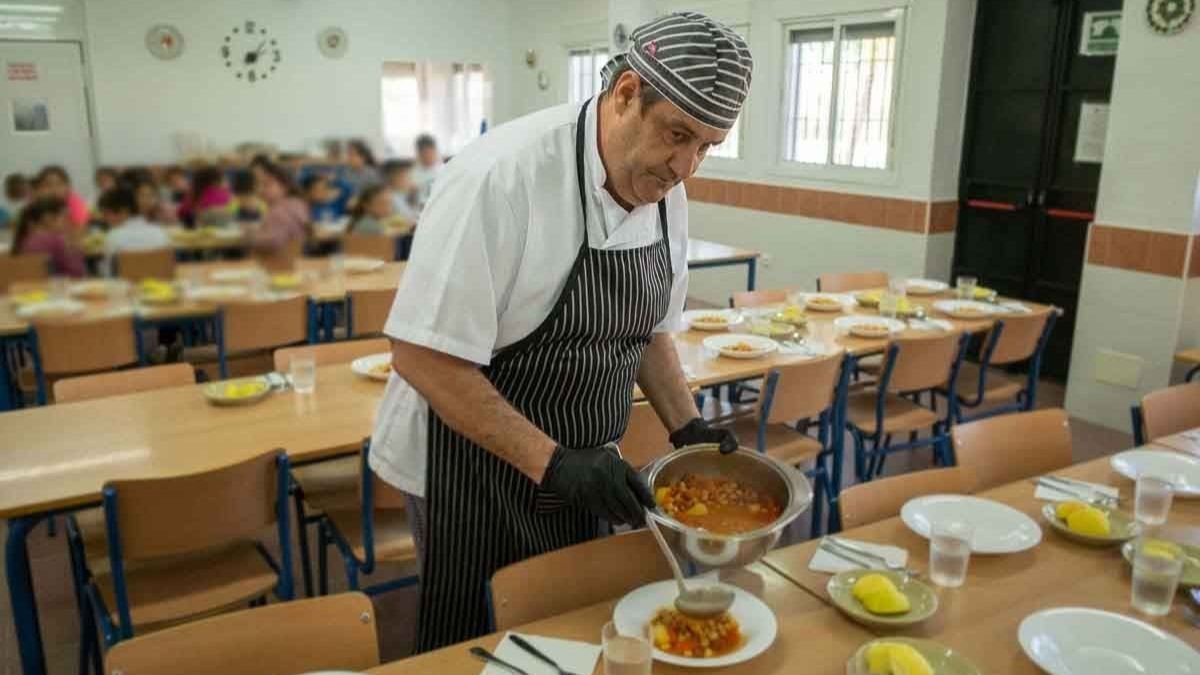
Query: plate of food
x,y
1089,524
237,392
870,327
882,599
233,275
30,297
740,346
374,367
225,233
1190,577
50,308
965,309
925,286
821,302
793,314
869,299
94,289
908,656
742,633
712,319
360,265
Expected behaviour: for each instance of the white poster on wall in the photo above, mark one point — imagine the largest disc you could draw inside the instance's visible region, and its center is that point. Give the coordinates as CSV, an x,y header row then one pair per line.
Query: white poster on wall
x,y
30,115
1093,130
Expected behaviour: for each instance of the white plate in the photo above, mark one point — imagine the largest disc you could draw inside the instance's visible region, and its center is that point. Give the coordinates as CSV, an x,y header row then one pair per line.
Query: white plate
x,y
50,308
1176,467
847,301
999,528
94,288
847,323
357,265
733,317
925,286
959,308
239,274
756,621
363,365
1081,641
218,293
721,344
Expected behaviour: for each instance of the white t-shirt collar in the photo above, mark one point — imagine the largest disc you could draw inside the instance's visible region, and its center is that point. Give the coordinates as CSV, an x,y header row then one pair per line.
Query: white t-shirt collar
x,y
619,224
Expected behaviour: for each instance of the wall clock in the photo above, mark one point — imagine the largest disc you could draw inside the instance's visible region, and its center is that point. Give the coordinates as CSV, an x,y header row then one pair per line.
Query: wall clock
x,y
1168,17
333,42
250,53
164,41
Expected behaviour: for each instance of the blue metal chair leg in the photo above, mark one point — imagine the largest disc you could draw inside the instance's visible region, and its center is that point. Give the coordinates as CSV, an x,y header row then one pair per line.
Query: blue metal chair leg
x,y
20,593
302,537
819,492
322,559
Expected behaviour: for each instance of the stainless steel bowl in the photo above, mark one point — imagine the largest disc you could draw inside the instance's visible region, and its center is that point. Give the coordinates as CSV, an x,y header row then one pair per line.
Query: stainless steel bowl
x,y
783,483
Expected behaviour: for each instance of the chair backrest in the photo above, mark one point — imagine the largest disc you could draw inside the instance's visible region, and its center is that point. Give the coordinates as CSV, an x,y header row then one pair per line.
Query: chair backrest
x,y
645,439
71,346
924,362
156,263
1019,336
192,512
1013,447
264,325
369,310
337,633
1171,410
851,281
773,296
575,576
123,382
803,390
333,352
284,259
379,246
880,499
25,267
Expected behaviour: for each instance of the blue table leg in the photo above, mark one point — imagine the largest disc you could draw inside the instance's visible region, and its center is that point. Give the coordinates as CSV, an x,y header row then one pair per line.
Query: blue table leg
x,y
751,270
8,394
20,592
1192,374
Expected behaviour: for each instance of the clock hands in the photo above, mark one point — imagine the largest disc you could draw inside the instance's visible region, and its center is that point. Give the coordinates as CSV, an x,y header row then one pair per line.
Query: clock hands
x,y
252,57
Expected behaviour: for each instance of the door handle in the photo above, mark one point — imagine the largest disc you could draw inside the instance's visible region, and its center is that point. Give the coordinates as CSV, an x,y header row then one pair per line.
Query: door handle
x,y
1070,214
992,206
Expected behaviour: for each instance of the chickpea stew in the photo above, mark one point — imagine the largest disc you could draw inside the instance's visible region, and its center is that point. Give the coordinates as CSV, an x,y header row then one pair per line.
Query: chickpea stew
x,y
716,504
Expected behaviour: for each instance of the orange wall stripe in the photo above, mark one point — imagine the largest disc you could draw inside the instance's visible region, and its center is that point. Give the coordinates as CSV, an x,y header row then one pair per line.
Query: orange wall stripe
x,y
1149,251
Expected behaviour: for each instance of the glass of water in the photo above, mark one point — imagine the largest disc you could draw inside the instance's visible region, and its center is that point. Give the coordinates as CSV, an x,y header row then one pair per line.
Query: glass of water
x,y
303,370
624,654
889,301
965,285
1152,500
950,552
60,288
1155,579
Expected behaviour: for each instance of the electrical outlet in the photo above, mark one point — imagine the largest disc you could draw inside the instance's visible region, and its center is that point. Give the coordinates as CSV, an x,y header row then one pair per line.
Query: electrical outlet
x,y
1123,370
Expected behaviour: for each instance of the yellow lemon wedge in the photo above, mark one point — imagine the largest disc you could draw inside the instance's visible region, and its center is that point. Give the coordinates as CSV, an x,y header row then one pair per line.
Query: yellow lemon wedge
x,y
908,661
31,297
1160,549
869,297
1090,521
1065,509
879,595
242,389
879,658
285,280
870,584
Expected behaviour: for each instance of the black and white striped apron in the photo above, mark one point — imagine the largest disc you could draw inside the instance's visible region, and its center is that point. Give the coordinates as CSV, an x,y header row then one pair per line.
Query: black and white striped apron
x,y
573,378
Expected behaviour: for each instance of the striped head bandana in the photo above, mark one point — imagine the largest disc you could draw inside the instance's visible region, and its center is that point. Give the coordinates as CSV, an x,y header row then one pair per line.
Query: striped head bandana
x,y
700,65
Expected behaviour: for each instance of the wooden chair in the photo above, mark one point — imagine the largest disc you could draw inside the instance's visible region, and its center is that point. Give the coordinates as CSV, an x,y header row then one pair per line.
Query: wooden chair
x,y
1013,447
912,366
574,577
186,547
645,439
333,352
73,347
282,260
792,395
322,634
744,299
247,328
373,529
156,263
123,382
881,499
378,246
842,282
1166,412
24,267
1011,340
368,311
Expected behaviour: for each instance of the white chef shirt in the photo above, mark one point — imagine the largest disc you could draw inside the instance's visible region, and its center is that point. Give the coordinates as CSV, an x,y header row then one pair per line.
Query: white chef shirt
x,y
496,244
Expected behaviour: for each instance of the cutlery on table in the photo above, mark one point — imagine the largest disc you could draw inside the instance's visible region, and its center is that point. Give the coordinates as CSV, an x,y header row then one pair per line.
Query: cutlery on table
x,y
488,657
861,558
536,653
1081,491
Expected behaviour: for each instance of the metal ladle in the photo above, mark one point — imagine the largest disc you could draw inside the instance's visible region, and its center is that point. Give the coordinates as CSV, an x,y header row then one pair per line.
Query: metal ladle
x,y
700,603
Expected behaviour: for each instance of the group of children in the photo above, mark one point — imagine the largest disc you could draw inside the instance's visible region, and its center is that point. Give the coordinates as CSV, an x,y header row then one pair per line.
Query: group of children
x,y
47,216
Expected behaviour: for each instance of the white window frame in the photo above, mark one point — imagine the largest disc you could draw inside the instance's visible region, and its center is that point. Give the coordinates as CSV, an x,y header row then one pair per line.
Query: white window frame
x,y
829,171
591,46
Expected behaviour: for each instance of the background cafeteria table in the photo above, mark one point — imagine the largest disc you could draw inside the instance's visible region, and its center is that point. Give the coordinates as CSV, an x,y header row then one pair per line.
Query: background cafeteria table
x,y
702,254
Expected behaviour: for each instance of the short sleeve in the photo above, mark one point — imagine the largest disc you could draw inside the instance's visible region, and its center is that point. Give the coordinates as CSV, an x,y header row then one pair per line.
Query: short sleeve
x,y
677,230
463,263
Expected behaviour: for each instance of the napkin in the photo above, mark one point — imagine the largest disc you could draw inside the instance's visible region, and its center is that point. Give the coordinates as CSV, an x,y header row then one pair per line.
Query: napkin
x,y
571,656
930,324
823,561
1014,307
1081,489
805,348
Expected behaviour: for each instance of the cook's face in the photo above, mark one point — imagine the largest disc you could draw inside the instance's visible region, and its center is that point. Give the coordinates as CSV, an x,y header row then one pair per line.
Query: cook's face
x,y
663,147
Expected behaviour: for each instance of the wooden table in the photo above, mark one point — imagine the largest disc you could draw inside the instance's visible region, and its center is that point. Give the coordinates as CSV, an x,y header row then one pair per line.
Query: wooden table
x,y
1190,356
57,458
702,254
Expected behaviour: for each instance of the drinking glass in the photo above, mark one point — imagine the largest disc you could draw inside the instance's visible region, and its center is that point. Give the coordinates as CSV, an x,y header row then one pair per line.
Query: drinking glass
x,y
303,370
950,552
889,301
965,285
624,654
1152,500
1155,579
60,288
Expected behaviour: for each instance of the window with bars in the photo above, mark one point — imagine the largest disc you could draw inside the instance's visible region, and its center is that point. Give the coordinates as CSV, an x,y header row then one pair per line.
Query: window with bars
x,y
452,101
841,82
583,72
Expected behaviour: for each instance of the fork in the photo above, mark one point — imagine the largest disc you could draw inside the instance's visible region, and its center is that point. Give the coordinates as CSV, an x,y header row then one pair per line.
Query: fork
x,y
845,551
1094,495
537,653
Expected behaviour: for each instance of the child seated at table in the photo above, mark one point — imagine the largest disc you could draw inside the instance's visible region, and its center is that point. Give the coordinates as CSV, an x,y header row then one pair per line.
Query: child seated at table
x,y
208,202
320,194
43,228
398,174
16,194
372,213
175,186
287,215
127,229
247,206
53,181
149,202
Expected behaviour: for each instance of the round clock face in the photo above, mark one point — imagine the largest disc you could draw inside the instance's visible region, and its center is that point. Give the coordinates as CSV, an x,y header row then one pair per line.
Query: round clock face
x,y
333,42
1168,17
164,41
250,52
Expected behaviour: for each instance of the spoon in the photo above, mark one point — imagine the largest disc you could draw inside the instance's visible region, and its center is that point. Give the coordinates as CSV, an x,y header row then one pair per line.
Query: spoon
x,y
700,603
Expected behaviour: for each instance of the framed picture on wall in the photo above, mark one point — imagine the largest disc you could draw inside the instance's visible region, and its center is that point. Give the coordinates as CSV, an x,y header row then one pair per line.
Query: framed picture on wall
x,y
30,115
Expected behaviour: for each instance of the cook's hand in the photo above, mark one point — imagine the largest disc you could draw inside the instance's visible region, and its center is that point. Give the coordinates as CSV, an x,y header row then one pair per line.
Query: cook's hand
x,y
697,432
597,479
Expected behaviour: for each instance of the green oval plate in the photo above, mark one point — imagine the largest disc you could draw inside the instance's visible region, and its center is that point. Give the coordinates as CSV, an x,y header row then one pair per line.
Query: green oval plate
x,y
1122,528
1190,578
945,661
923,602
215,392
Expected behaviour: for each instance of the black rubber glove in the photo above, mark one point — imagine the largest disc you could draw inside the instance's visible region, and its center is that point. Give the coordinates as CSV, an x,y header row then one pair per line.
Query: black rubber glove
x,y
697,432
597,479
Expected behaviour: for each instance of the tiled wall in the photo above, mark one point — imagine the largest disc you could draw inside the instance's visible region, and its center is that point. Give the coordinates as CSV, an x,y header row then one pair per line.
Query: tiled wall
x,y
1162,253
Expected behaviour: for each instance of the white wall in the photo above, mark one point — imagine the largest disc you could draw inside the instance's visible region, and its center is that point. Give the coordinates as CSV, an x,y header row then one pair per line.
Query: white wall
x,y
141,101
550,28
